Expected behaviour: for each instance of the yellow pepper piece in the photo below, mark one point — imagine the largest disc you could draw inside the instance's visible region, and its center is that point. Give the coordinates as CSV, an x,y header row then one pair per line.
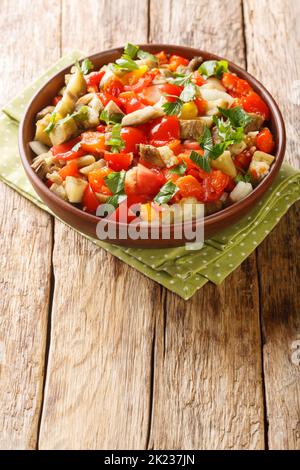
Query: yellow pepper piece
x,y
132,77
189,110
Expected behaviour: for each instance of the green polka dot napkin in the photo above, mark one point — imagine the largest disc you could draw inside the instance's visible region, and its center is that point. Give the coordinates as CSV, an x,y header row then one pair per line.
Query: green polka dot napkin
x,y
177,269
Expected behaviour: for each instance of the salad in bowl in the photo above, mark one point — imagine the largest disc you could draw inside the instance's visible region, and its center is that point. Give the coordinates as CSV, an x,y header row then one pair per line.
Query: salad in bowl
x,y
154,130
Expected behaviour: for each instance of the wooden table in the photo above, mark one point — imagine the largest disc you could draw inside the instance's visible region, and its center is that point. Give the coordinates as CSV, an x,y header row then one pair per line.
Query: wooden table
x,y
94,355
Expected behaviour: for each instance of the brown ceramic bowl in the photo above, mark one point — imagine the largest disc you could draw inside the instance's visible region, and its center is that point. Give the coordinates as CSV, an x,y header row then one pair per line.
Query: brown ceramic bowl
x,y
87,223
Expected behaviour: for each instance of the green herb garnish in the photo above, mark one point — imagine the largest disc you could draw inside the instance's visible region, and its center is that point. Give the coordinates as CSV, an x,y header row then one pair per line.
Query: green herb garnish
x,y
114,118
86,66
116,199
237,116
172,108
166,193
131,50
180,79
178,169
201,162
213,67
143,55
245,178
116,142
125,63
115,181
51,123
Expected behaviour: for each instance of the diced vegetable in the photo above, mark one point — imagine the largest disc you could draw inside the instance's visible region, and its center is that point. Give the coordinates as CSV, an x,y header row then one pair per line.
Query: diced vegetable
x,y
240,191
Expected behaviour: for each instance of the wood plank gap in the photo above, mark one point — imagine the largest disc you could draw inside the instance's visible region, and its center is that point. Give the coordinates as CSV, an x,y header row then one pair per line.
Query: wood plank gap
x,y
244,34
148,19
48,334
60,27
151,387
261,330
262,342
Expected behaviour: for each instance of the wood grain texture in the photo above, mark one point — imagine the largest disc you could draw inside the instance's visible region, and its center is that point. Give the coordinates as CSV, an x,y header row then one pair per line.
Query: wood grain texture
x,y
99,375
26,239
207,383
273,45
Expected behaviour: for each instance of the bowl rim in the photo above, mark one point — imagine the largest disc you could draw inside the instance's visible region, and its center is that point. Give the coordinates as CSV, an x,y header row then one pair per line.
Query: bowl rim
x,y
210,220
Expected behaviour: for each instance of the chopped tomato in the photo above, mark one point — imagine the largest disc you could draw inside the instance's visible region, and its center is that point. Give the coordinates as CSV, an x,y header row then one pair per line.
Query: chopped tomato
x,y
101,128
93,142
198,79
107,97
201,105
243,87
94,78
162,58
130,102
163,130
170,89
118,161
143,82
243,159
89,201
195,173
265,141
175,61
132,137
214,185
175,146
65,152
191,145
149,181
230,81
56,100
114,87
231,185
126,212
189,186
71,169
170,176
142,180
253,103
96,180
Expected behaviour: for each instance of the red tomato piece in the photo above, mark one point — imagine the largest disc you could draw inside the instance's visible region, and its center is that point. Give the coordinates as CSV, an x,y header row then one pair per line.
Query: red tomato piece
x,y
107,97
253,103
56,100
189,186
201,105
265,141
175,61
170,89
64,151
175,146
93,142
191,145
96,180
89,201
118,161
143,181
162,58
230,81
101,128
163,130
71,169
114,87
214,185
132,136
243,159
143,82
130,102
94,78
198,79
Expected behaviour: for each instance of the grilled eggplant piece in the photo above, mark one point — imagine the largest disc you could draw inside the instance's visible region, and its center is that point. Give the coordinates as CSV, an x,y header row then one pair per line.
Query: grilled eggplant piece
x,y
151,155
193,128
75,88
141,115
194,64
255,124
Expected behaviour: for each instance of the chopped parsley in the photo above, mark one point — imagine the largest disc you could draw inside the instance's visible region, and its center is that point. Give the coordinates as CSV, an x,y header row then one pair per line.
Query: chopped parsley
x,y
166,193
116,142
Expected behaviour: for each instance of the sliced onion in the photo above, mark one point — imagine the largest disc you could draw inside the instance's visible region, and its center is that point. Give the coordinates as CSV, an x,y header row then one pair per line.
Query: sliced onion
x,y
38,148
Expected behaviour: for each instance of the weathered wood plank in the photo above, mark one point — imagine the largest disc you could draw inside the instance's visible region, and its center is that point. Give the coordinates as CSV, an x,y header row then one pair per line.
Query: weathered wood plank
x,y
207,384
26,238
273,42
98,381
